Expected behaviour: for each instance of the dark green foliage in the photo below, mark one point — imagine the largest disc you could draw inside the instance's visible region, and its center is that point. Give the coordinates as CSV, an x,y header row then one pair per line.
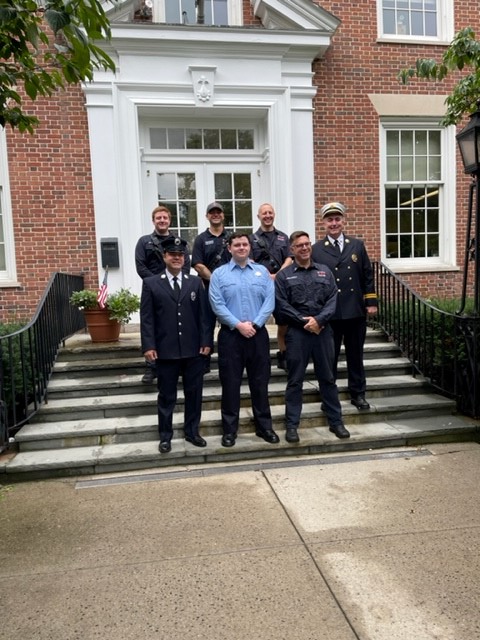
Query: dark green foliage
x,y
463,55
42,60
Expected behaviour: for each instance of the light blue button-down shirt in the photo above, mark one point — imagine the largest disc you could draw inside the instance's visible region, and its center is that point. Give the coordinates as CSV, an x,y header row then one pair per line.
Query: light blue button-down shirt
x,y
242,294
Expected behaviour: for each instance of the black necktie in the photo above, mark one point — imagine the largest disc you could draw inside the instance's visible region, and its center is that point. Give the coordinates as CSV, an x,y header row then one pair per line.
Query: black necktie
x,y
176,287
337,246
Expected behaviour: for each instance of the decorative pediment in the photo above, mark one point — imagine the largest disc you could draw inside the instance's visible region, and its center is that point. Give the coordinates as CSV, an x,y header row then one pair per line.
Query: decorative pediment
x,y
294,14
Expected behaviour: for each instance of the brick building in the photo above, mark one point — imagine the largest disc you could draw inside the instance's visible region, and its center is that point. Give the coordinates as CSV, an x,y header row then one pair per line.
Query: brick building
x,y
293,102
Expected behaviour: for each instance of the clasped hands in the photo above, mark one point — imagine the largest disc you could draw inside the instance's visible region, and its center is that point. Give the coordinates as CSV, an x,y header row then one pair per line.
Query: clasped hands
x,y
311,325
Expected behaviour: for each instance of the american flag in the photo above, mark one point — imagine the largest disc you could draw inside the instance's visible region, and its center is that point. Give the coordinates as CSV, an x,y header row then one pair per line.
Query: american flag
x,y
103,291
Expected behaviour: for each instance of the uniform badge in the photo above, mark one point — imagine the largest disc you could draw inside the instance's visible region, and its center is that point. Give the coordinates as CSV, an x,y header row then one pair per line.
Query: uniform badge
x,y
193,296
354,257
258,274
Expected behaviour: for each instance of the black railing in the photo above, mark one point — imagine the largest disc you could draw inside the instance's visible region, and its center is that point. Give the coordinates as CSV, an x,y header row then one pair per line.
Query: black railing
x,y
441,346
27,356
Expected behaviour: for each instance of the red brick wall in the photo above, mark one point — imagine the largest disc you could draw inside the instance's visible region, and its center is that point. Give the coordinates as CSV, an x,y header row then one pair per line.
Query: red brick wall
x,y
51,188
51,178
346,126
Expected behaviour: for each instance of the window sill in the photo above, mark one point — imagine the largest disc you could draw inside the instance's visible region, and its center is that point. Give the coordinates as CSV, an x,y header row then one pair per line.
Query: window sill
x,y
401,267
9,284
412,40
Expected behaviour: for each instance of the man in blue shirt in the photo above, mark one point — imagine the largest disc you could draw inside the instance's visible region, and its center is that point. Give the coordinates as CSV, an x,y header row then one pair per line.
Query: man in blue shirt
x,y
242,296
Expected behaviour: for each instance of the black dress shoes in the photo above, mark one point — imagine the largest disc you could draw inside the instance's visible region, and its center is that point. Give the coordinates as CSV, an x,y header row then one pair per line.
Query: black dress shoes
x,y
164,446
282,360
149,376
292,435
340,431
197,441
268,435
360,402
228,440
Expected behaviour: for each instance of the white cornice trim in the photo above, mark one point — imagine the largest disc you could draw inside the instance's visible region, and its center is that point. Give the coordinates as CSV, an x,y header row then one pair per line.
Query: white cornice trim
x,y
294,14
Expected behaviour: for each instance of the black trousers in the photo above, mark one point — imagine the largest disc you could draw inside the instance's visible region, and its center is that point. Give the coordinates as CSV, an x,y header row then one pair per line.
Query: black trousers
x,y
168,374
301,346
235,354
352,332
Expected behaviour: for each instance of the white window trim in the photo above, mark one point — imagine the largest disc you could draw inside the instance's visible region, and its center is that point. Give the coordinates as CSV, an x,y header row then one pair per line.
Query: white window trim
x,y
234,8
446,261
8,278
445,27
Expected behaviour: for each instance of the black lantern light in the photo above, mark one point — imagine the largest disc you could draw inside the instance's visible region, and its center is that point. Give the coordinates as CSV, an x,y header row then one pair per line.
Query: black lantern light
x,y
469,142
468,324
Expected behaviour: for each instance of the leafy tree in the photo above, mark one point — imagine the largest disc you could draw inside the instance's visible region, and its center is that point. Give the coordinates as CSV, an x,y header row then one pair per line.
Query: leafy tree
x,y
44,45
463,54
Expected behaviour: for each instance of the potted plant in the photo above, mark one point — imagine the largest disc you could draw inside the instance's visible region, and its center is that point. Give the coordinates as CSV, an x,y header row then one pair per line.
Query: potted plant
x,y
104,324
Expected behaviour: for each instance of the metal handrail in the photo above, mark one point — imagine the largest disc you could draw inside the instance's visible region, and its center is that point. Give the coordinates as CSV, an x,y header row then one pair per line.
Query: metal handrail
x,y
27,356
441,346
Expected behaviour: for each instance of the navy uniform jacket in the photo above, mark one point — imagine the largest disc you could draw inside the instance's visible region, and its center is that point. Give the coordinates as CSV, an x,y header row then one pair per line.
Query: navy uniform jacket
x,y
149,256
210,250
175,329
353,274
301,292
270,248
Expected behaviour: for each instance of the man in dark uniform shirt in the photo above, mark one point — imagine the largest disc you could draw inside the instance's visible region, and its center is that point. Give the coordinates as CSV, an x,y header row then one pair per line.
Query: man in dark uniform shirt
x,y
271,247
175,338
348,259
209,252
149,258
305,299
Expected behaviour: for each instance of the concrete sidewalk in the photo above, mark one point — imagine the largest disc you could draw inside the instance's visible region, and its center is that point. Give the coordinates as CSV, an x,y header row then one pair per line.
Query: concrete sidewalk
x,y
377,546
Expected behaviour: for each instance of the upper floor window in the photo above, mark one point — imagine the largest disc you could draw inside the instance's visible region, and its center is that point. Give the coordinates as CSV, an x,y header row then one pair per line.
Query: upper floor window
x,y
417,195
418,20
215,12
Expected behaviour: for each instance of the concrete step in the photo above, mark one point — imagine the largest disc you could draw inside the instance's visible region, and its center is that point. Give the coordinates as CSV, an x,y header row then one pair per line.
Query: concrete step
x,y
100,418
108,429
103,363
400,430
69,385
104,404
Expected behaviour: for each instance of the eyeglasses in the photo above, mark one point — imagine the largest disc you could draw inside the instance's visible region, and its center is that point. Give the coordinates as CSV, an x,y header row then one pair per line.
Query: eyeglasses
x,y
302,245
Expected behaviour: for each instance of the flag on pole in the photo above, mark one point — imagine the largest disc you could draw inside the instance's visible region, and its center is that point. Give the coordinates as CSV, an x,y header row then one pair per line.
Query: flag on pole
x,y
103,291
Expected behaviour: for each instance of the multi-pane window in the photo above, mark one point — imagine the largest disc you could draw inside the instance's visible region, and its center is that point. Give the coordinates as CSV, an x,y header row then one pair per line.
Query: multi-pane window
x,y
410,17
209,138
413,191
178,192
234,191
186,12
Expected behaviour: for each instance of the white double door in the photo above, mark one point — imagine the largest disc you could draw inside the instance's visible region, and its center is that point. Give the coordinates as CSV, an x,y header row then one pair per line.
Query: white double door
x,y
186,189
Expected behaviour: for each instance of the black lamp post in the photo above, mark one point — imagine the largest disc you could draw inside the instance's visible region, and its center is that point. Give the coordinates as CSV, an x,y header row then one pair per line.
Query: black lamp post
x,y
469,142
468,325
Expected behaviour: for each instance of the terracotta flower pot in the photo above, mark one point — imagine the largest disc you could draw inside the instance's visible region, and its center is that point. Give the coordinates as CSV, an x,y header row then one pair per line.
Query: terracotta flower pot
x,y
100,327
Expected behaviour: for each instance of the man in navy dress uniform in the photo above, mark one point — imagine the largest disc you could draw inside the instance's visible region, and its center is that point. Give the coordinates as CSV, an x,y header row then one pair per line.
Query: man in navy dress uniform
x,y
175,336
348,260
149,259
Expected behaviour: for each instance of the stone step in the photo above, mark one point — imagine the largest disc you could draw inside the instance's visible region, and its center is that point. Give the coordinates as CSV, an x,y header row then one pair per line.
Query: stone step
x,y
105,428
100,418
103,363
104,405
400,430
79,347
69,385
